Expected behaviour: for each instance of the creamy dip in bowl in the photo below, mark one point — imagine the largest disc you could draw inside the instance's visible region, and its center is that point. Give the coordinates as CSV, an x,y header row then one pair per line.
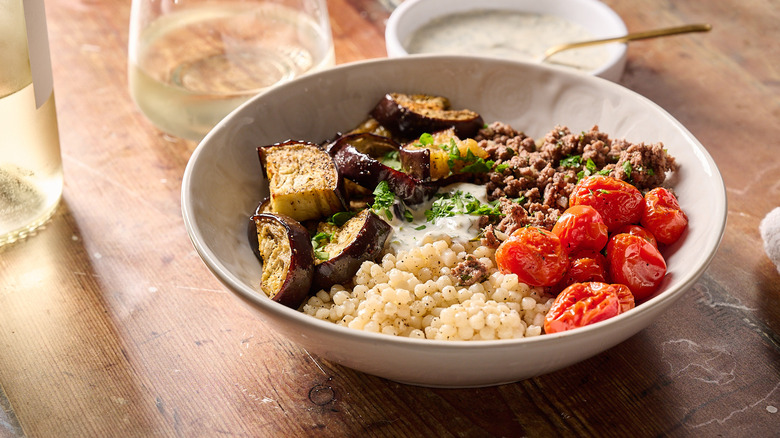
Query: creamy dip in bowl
x,y
510,29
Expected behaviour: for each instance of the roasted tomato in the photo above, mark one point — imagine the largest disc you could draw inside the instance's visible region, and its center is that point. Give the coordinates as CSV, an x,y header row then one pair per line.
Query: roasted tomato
x,y
663,216
584,266
636,263
625,297
637,230
581,227
535,255
581,304
618,202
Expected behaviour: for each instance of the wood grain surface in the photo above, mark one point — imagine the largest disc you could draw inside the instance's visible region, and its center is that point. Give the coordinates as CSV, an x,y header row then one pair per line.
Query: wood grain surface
x,y
110,325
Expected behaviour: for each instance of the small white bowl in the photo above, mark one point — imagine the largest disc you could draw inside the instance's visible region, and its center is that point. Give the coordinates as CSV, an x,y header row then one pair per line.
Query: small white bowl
x,y
223,183
592,15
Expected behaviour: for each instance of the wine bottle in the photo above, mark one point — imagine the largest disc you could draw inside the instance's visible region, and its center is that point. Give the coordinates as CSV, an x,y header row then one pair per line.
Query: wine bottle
x,y
30,161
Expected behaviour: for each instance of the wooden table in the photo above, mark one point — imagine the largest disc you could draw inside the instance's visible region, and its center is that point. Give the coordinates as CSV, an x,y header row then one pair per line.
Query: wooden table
x,y
110,325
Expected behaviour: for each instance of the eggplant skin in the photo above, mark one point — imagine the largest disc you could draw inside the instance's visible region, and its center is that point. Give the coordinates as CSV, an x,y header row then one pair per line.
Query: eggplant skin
x,y
368,171
360,239
303,180
411,115
287,256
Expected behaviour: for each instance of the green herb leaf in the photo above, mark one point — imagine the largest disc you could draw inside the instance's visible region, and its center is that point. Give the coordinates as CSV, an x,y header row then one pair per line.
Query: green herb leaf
x,y
318,242
426,139
472,163
572,161
479,165
627,169
421,227
392,159
591,169
322,237
458,202
590,166
383,200
341,218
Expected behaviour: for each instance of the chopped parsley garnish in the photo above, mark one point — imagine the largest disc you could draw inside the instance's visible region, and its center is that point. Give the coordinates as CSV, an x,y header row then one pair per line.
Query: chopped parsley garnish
x,y
458,202
341,218
572,161
479,165
627,169
471,163
425,140
318,242
383,200
392,159
591,169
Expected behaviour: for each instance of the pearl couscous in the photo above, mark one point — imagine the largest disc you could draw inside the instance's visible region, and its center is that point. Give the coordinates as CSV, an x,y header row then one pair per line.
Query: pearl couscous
x,y
413,293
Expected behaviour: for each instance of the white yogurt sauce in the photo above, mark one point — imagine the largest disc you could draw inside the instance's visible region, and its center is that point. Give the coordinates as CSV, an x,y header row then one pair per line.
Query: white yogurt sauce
x,y
507,34
460,228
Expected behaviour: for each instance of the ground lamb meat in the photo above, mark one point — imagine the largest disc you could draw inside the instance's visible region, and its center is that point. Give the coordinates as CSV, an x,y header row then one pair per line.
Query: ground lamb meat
x,y
534,181
470,271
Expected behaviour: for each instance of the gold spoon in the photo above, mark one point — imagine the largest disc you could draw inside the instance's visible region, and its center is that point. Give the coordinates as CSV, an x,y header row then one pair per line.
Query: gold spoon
x,y
629,37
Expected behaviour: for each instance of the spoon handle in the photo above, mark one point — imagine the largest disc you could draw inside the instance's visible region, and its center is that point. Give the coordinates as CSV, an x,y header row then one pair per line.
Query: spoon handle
x,y
630,37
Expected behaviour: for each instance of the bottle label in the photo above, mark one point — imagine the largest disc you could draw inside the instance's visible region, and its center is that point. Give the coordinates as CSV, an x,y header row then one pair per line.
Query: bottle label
x,y
38,47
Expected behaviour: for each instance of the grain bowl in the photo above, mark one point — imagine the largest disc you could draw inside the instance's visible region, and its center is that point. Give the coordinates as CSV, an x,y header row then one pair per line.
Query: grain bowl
x,y
223,183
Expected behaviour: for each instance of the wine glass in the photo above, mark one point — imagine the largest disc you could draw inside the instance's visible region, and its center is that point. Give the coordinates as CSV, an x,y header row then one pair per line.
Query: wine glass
x,y
191,62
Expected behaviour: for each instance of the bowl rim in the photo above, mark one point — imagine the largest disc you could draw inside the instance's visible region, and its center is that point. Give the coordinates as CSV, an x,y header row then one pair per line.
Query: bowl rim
x,y
395,47
255,297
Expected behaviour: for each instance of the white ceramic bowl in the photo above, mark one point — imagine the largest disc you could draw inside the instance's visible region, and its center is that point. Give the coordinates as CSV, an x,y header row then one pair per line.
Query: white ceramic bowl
x,y
223,184
592,15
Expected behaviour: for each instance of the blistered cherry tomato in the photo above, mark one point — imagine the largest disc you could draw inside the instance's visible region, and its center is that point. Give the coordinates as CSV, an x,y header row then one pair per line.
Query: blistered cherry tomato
x,y
581,304
625,297
638,231
663,216
618,202
535,255
636,263
581,227
584,266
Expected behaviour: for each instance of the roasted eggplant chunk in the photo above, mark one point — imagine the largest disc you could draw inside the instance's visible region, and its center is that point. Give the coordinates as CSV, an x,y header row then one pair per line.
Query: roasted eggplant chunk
x,y
437,156
410,115
343,249
303,180
263,207
371,126
284,246
367,170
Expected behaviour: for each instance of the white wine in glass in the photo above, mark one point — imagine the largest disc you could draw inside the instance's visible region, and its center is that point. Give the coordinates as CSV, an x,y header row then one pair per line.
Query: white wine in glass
x,y
196,61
